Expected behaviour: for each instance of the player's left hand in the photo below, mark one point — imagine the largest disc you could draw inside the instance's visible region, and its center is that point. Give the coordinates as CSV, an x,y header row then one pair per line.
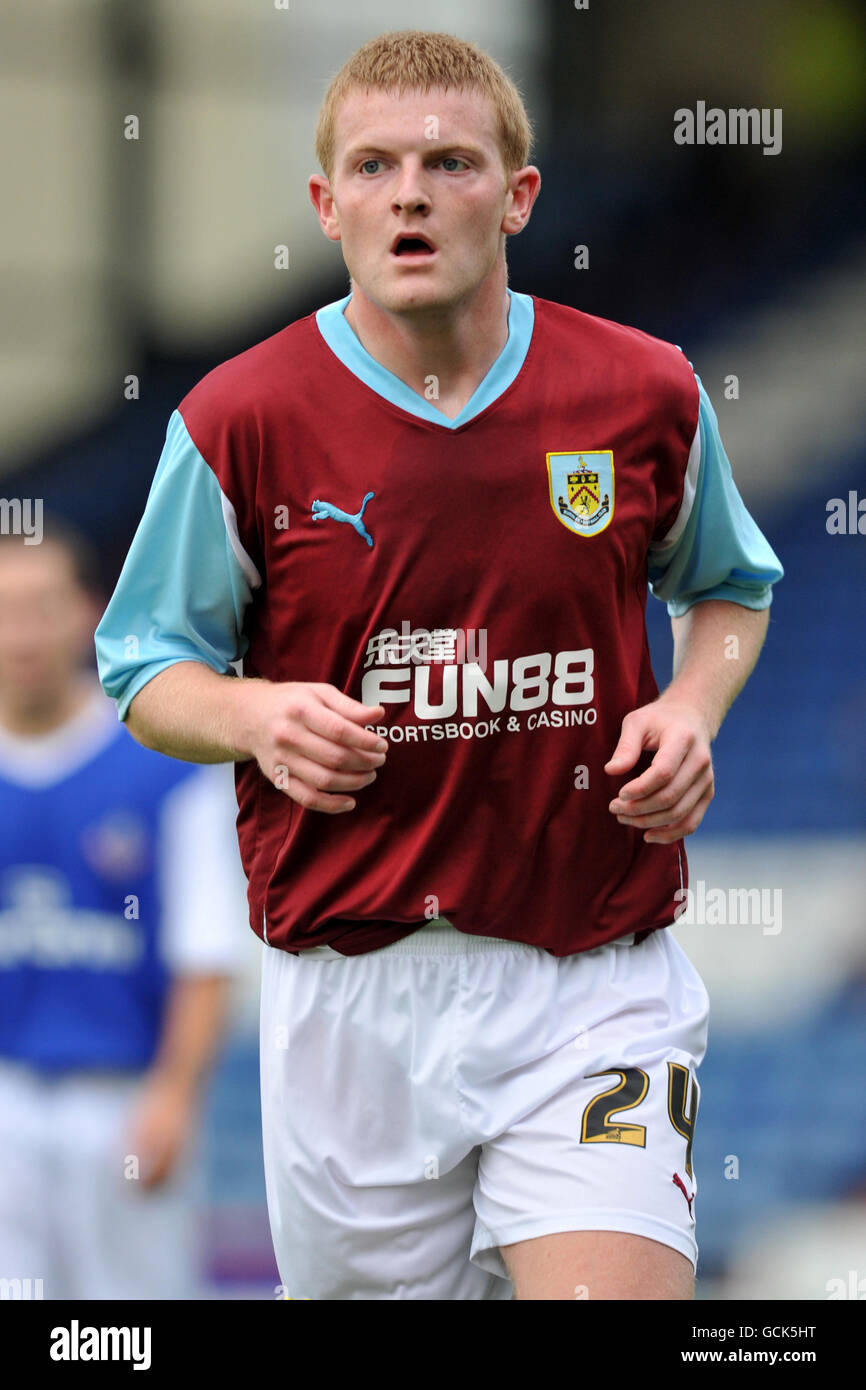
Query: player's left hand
x,y
670,798
160,1128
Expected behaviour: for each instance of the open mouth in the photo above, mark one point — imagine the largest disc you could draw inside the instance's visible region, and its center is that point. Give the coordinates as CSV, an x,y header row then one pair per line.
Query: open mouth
x,y
412,248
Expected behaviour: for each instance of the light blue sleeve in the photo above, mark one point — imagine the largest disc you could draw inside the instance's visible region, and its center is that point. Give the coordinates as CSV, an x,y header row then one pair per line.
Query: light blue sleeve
x,y
714,550
186,581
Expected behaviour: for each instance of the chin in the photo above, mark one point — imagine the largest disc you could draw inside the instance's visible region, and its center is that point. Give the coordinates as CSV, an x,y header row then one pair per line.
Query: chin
x,y
404,298
426,297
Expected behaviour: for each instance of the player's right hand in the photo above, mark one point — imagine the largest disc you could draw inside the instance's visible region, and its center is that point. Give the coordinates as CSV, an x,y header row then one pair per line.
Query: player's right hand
x,y
309,740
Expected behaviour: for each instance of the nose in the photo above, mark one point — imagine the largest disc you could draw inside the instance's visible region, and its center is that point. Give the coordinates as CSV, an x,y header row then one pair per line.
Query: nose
x,y
411,195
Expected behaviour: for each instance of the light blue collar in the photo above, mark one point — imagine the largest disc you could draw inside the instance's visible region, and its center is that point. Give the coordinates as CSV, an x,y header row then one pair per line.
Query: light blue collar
x,y
343,342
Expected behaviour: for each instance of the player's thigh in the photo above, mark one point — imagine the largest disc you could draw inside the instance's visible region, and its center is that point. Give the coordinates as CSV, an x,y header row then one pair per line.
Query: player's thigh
x,y
597,1265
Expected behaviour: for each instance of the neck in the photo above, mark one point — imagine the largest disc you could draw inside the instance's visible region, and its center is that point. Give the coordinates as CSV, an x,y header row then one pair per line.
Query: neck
x,y
455,343
45,712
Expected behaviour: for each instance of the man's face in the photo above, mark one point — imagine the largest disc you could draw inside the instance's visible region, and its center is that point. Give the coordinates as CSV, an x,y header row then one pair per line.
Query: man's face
x,y
46,623
425,162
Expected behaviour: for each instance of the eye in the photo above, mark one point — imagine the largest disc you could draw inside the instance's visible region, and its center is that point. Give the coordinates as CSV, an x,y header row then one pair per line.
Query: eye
x,y
452,159
367,162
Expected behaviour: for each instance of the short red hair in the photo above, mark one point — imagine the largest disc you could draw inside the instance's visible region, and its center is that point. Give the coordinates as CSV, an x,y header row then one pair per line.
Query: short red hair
x,y
416,60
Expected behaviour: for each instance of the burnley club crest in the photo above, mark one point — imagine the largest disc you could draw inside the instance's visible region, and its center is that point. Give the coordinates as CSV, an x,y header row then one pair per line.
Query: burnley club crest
x,y
581,490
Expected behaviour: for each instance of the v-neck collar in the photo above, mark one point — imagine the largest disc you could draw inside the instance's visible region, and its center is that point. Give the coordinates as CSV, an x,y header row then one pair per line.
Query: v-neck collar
x,y
344,343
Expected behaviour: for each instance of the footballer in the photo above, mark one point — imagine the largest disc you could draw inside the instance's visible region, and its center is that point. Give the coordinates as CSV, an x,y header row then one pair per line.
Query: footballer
x,y
425,518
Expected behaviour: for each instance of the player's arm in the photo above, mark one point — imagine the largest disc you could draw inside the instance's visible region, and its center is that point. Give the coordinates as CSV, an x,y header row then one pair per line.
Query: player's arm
x,y
174,629
716,647
308,738
669,799
159,716
716,571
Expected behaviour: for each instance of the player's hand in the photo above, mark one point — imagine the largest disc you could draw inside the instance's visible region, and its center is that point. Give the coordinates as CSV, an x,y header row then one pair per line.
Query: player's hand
x,y
160,1128
309,740
670,798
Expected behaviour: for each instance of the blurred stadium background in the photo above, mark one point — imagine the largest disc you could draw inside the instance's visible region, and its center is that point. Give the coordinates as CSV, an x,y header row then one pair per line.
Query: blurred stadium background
x,y
154,258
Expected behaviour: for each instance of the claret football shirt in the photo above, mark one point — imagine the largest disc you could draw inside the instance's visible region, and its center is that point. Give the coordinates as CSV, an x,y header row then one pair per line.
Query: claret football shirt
x,y
484,579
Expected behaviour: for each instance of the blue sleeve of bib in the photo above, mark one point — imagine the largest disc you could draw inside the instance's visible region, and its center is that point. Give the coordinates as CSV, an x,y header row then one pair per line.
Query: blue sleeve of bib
x,y
716,550
186,581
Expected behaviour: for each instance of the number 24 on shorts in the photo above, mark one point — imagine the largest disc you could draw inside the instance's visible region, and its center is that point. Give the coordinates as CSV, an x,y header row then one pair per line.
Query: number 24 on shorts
x,y
628,1092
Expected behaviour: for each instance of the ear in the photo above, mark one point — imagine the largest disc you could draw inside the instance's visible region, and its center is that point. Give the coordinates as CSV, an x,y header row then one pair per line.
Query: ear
x,y
323,201
524,186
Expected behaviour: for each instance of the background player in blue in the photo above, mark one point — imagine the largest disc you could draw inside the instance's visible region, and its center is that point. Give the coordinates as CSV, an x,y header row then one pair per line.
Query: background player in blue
x,y
433,1145
121,925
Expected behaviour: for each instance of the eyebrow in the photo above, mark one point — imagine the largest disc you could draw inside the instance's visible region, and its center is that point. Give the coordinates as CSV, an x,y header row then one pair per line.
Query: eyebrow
x,y
440,150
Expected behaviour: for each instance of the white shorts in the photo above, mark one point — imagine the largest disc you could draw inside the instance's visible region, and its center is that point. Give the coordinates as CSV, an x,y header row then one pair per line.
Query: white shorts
x,y
425,1103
